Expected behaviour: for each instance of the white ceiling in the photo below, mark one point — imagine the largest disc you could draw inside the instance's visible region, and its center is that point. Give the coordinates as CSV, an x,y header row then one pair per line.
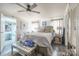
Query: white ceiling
x,y
47,10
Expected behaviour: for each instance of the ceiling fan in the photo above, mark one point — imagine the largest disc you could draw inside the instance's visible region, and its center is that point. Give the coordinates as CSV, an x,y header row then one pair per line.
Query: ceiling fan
x,y
28,7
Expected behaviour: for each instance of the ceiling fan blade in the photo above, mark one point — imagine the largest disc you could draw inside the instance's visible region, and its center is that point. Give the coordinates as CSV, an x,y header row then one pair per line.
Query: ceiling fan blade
x,y
21,5
33,6
21,11
36,12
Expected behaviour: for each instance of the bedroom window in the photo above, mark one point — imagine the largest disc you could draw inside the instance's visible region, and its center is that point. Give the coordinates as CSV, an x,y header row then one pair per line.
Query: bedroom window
x,y
58,26
35,27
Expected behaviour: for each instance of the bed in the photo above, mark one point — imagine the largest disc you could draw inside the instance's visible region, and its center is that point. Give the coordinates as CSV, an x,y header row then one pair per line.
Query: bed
x,y
43,40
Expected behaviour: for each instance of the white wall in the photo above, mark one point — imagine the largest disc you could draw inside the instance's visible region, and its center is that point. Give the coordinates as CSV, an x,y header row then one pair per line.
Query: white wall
x,y
22,28
2,34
